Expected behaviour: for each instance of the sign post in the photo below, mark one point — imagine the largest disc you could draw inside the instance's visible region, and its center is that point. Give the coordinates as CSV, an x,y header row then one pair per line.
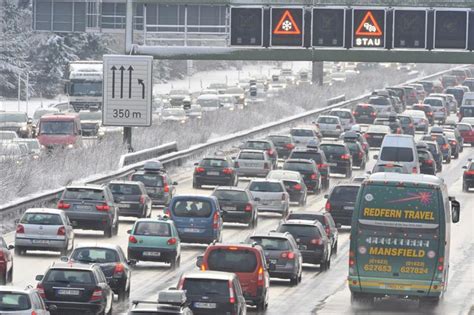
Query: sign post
x,y
127,93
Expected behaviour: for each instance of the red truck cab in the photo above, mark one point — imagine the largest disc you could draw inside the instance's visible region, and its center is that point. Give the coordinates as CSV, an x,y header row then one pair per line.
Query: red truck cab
x,y
60,130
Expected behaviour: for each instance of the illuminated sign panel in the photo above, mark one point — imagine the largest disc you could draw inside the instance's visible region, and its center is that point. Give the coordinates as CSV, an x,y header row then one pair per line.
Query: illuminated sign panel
x,y
246,27
328,27
287,26
369,28
450,29
409,29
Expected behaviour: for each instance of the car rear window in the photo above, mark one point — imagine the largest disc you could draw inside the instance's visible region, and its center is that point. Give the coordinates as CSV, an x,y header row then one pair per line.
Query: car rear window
x,y
42,219
192,208
379,101
301,133
152,229
404,120
232,260
315,156
398,154
353,146
265,187
341,114
378,129
258,145
299,230
251,156
462,127
125,189
304,216
332,149
231,195
70,276
438,138
388,168
344,193
364,108
149,180
299,166
272,243
95,255
206,287
433,102
214,163
423,155
83,194
467,111
11,302
327,120
280,139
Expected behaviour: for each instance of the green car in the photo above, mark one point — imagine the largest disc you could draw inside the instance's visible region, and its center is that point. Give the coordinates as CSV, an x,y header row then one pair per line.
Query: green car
x,y
154,240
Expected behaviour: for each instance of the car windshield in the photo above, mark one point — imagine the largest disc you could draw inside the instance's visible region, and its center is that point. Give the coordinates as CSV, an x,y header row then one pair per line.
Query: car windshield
x,y
12,117
379,101
299,230
464,127
251,156
301,133
83,194
266,187
125,189
86,89
41,219
398,154
95,255
328,120
70,276
56,127
149,180
232,260
344,193
214,163
271,243
12,302
332,149
231,195
209,287
152,229
298,166
192,208
315,156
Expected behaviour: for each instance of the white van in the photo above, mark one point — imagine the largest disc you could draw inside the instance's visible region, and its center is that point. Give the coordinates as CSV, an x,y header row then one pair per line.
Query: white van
x,y
468,99
400,149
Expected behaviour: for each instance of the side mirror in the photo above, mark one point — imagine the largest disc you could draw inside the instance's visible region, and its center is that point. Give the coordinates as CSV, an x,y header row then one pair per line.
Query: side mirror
x,y
39,277
11,246
465,167
64,258
17,221
132,262
326,196
234,157
280,167
29,121
129,231
376,157
369,172
256,199
455,210
271,267
199,261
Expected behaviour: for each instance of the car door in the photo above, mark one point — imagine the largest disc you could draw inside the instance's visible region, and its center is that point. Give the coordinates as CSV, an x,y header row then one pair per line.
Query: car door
x,y
68,226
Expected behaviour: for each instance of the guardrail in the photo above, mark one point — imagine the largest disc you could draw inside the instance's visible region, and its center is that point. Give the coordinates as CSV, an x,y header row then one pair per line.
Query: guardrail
x,y
142,155
13,210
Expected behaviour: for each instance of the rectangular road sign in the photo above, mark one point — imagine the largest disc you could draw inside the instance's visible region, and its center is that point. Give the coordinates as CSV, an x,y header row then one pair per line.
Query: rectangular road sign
x,y
246,26
127,91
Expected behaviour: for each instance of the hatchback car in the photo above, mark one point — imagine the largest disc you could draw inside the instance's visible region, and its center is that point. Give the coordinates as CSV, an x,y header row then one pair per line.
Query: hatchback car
x,y
159,185
284,144
198,218
468,176
270,195
439,107
435,150
393,122
312,241
237,205
262,145
215,170
318,157
6,262
213,293
281,251
21,302
44,229
113,262
154,240
247,262
90,207
73,287
356,135
420,120
131,198
339,157
253,163
359,157
467,133
364,114
170,302
427,162
408,124
375,135
294,185
341,201
308,170
304,135
427,109
345,116
443,143
330,126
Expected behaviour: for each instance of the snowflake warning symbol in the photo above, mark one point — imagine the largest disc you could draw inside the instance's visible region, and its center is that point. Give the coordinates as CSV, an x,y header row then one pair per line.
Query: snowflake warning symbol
x,y
287,25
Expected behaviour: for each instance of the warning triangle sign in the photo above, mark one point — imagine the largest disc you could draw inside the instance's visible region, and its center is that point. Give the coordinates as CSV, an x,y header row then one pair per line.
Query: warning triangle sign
x,y
287,25
369,26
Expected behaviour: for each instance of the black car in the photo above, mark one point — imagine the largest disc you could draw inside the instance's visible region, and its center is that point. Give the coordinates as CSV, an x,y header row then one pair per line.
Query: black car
x,y
90,207
359,157
339,157
215,171
213,292
73,287
433,147
131,198
111,259
468,176
394,124
427,162
325,218
170,302
443,143
159,185
312,241
262,145
350,136
317,156
237,205
308,170
341,201
284,144
375,134
454,143
408,124
364,114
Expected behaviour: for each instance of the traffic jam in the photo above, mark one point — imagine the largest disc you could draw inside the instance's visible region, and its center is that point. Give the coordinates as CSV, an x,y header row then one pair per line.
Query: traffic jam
x,y
359,208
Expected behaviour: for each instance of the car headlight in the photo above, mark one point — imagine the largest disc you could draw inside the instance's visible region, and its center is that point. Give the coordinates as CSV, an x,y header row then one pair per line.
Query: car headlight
x,y
70,146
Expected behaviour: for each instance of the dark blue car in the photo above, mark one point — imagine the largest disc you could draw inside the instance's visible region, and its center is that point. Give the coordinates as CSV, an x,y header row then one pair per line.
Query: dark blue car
x,y
197,218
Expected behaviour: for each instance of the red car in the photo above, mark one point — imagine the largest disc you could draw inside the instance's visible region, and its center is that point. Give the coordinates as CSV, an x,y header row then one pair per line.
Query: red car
x,y
6,262
467,133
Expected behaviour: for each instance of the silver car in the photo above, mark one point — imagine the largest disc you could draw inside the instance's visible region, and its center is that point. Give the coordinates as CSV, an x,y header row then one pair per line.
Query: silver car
x,y
44,229
346,117
440,112
270,195
21,302
253,163
330,126
304,135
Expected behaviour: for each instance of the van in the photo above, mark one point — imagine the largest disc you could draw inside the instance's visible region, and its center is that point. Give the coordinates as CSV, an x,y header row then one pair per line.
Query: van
x,y
60,130
400,238
400,149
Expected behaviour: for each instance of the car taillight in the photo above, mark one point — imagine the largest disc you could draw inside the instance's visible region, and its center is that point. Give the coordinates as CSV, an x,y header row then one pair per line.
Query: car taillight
x,y
168,212
351,258
453,142
227,171
260,281
373,114
361,154
327,206
231,293
440,264
466,173
20,229
102,207
314,176
119,269
142,199
40,289
338,127
429,162
366,135
199,169
215,221
429,113
172,241
248,207
290,146
317,241
132,239
96,295
355,113
297,187
61,231
345,157
63,205
288,255
410,125
328,230
398,131
270,152
166,188
322,165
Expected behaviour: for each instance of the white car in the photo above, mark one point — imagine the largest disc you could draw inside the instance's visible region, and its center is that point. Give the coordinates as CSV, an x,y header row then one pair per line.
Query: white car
x,y
253,163
209,102
15,301
419,118
346,117
176,114
329,126
270,195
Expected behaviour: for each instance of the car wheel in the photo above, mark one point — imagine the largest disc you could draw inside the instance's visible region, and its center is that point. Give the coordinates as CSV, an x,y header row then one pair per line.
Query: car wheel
x,y
3,279
64,251
175,263
294,280
261,306
109,231
115,228
10,276
19,251
464,187
448,160
110,312
122,294
323,266
456,155
196,186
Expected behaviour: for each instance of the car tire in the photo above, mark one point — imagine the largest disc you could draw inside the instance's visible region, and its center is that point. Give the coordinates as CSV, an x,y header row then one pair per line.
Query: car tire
x,y
349,173
262,306
122,294
64,251
115,229
464,187
108,233
362,166
294,280
448,160
456,156
196,186
19,251
322,266
3,279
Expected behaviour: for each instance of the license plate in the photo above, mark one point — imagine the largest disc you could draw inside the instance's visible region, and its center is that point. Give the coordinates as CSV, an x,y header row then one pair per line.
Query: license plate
x,y
83,207
332,164
204,305
303,247
348,208
396,286
378,137
191,230
124,205
273,261
152,254
229,208
40,241
364,116
67,292
213,173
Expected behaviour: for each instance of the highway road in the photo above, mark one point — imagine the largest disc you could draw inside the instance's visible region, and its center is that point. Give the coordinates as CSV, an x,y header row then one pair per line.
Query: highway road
x,y
319,292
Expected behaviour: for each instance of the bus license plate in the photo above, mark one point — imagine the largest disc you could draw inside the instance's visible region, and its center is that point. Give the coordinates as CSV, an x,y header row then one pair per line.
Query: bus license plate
x,y
396,286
